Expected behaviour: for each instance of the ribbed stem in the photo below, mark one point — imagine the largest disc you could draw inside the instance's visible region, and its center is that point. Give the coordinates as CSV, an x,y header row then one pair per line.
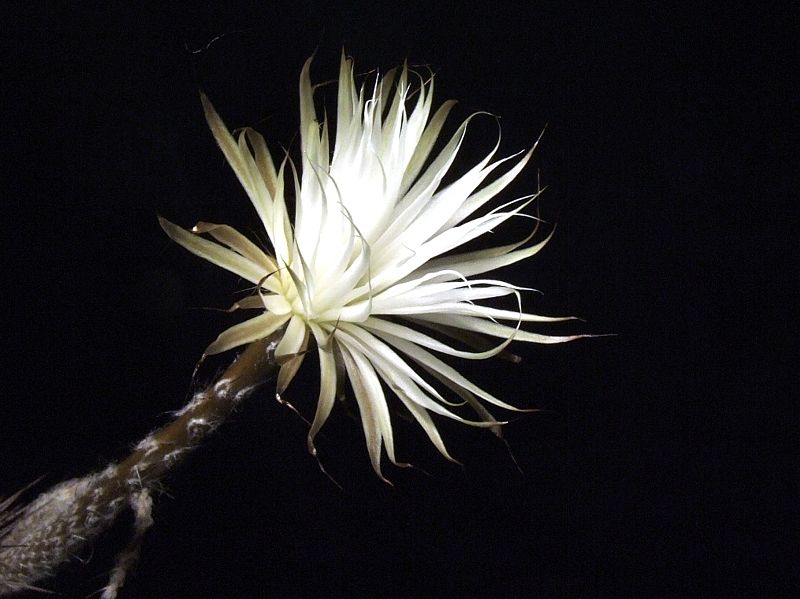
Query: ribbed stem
x,y
35,539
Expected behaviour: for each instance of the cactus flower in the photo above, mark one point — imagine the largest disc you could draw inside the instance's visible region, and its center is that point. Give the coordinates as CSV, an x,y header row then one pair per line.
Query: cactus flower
x,y
367,270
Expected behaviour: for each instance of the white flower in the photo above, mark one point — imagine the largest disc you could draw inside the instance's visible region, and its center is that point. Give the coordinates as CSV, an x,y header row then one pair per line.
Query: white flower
x,y
367,266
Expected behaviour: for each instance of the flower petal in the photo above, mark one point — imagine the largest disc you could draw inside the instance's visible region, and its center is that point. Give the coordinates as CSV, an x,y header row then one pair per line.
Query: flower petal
x,y
238,243
423,357
480,261
240,160
417,338
372,406
291,351
396,374
327,387
464,320
245,332
215,253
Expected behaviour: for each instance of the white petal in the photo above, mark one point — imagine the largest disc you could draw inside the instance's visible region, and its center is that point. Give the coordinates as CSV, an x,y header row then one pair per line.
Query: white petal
x,y
460,317
263,159
423,149
327,387
419,195
409,334
379,352
215,253
431,362
430,296
478,199
421,415
396,374
292,338
260,327
371,405
237,242
240,161
480,261
291,351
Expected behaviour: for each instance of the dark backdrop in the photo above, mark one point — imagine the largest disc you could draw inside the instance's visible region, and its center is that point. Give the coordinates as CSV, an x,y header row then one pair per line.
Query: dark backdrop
x,y
637,481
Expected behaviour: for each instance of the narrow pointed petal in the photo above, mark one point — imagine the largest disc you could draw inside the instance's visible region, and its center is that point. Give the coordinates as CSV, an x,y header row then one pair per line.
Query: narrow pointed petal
x,y
327,389
238,243
291,352
417,338
422,356
481,261
246,332
424,419
240,161
263,160
215,253
247,303
494,329
371,405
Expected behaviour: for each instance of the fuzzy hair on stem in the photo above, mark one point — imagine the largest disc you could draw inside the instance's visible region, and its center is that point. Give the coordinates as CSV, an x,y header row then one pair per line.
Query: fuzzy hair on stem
x,y
37,537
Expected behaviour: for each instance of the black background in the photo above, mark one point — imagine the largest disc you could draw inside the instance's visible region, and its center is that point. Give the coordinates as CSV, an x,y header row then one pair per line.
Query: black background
x,y
654,472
